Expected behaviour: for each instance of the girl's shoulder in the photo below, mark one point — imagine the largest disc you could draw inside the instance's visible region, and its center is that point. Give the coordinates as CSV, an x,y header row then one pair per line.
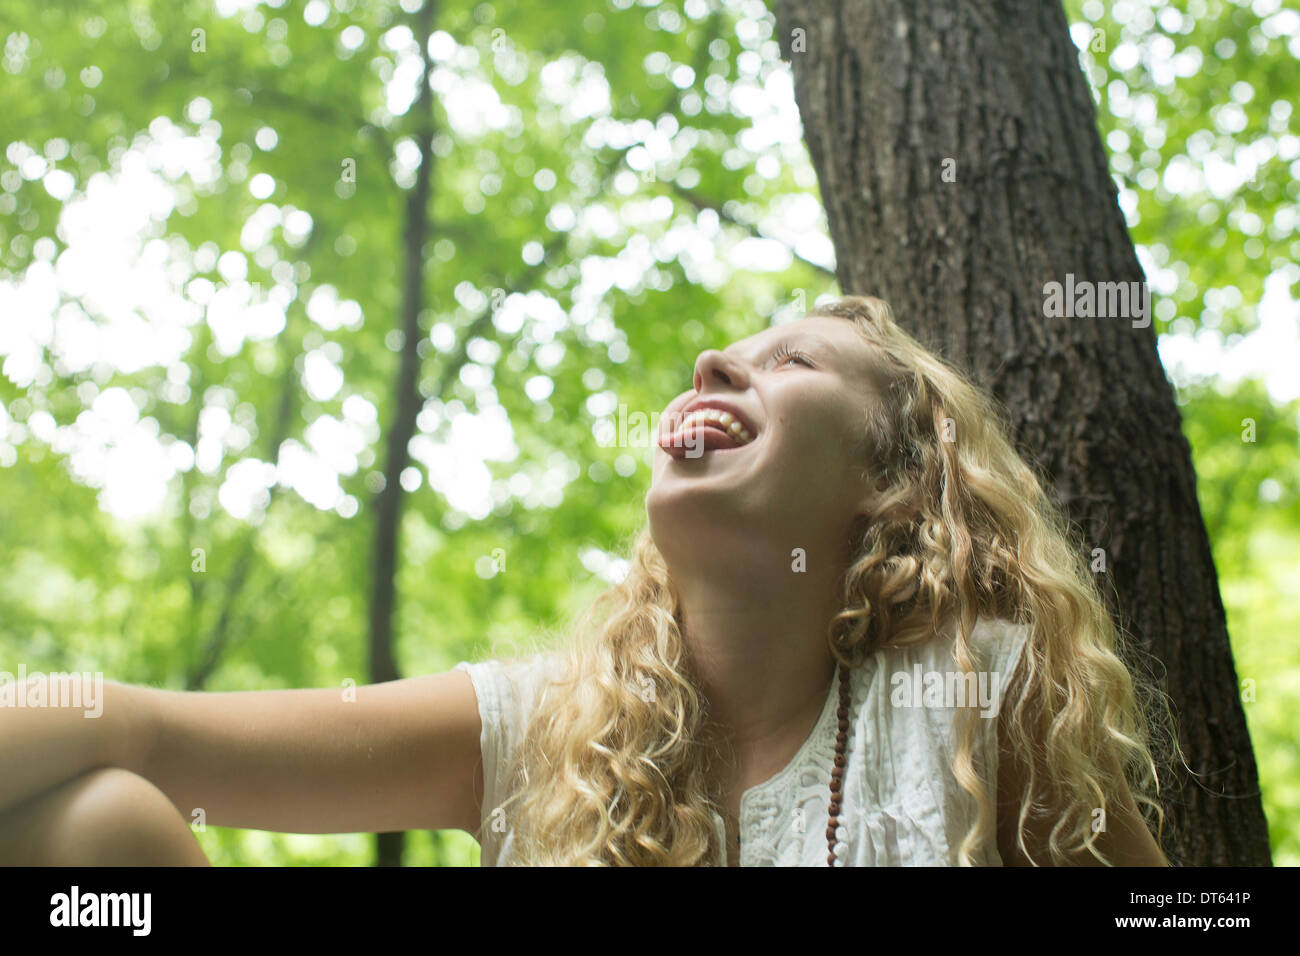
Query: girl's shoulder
x,y
508,686
994,644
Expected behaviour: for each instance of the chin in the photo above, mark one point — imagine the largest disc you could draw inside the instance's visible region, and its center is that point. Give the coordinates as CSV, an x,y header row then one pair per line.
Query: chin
x,y
683,514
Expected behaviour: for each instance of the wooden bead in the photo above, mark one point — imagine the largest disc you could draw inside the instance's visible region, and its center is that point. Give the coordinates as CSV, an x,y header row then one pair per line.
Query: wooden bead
x,y
837,775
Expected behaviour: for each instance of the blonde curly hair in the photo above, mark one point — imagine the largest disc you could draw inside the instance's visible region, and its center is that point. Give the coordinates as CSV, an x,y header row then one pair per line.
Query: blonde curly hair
x,y
608,775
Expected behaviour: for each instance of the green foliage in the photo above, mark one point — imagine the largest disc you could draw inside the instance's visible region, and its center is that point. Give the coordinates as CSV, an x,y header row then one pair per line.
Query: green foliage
x,y
584,249
550,261
1195,105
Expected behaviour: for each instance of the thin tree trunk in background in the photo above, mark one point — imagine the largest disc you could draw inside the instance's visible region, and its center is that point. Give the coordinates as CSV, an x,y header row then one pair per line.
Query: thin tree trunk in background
x,y
406,403
894,94
216,642
218,636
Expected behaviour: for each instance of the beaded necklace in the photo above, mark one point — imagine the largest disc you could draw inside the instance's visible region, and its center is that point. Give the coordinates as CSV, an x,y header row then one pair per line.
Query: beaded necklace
x,y
834,846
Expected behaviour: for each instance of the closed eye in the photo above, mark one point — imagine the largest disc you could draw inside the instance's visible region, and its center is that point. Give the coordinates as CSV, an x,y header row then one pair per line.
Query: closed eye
x,y
785,354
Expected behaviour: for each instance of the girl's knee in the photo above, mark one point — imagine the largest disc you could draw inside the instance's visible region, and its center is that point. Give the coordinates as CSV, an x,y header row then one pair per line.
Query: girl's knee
x,y
110,817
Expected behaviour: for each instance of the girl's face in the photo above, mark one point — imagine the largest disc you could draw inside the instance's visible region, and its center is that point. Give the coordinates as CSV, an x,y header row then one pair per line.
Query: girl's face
x,y
801,391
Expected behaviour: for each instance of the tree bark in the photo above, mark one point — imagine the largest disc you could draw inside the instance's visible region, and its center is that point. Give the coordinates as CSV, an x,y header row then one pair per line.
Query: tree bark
x,y
961,170
406,401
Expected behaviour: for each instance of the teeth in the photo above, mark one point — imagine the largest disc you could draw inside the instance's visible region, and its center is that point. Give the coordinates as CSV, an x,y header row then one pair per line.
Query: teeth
x,y
728,421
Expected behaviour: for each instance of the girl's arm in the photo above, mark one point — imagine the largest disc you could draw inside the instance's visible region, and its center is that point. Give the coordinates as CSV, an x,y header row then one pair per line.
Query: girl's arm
x,y
43,745
400,755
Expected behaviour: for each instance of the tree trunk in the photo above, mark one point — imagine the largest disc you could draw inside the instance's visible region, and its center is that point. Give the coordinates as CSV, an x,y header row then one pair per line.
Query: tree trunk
x,y
961,171
215,644
406,402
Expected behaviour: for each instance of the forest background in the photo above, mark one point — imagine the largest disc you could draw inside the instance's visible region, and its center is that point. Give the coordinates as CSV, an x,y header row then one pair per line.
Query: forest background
x,y
204,209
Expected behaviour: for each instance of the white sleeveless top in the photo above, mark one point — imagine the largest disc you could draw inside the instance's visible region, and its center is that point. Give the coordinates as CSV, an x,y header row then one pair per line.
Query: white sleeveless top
x,y
901,804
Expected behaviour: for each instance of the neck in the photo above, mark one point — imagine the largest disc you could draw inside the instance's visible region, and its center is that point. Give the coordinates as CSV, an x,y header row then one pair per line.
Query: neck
x,y
756,640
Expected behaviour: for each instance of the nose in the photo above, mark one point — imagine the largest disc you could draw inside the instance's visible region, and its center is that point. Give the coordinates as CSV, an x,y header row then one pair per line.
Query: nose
x,y
714,366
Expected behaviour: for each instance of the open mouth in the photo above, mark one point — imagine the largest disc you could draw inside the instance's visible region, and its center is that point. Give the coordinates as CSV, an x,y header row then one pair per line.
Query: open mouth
x,y
705,429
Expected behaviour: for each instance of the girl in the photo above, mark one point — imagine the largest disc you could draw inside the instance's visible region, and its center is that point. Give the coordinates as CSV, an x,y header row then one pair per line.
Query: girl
x,y
853,517
854,632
